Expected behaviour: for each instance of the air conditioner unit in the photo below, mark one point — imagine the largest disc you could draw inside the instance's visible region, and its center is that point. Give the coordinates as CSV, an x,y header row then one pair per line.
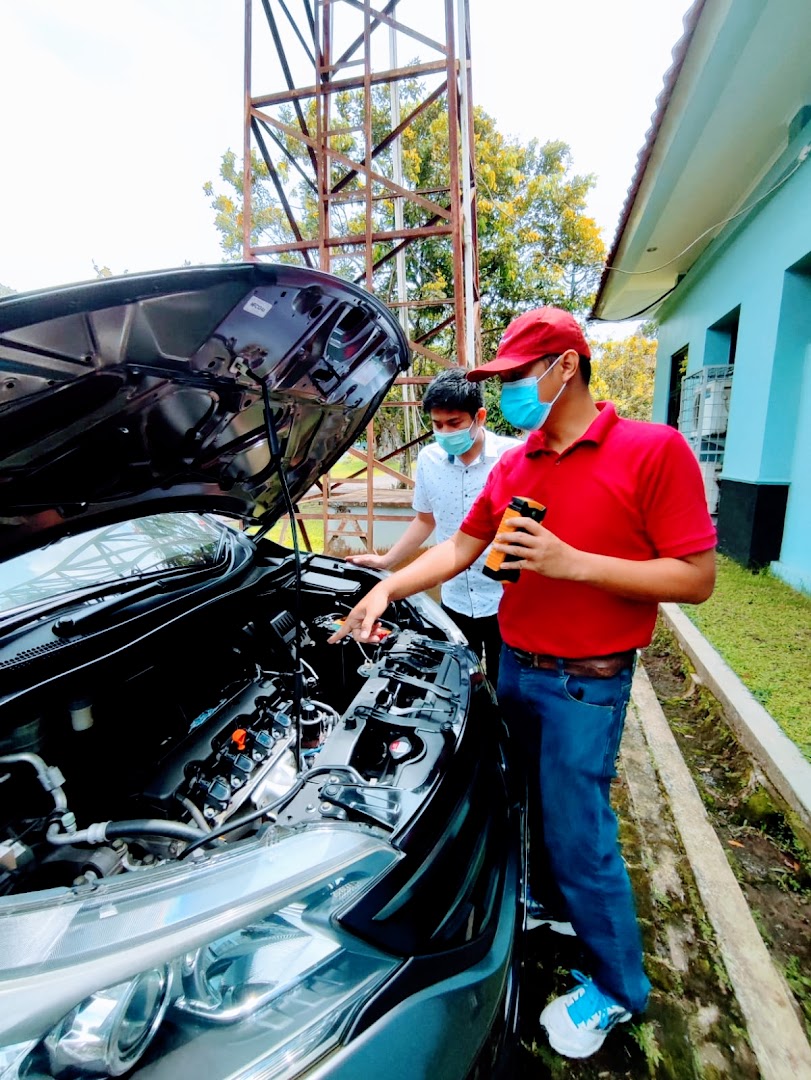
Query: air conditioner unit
x,y
713,412
703,420
710,471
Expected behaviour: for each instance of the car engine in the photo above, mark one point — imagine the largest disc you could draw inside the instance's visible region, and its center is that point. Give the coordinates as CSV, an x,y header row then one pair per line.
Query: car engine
x,y
203,729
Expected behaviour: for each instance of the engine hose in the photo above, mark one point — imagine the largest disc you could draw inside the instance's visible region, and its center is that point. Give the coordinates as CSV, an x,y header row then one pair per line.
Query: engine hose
x,y
196,813
50,778
103,831
175,830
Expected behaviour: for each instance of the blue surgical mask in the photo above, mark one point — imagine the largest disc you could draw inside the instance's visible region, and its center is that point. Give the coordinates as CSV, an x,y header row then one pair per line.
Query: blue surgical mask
x,y
520,405
455,443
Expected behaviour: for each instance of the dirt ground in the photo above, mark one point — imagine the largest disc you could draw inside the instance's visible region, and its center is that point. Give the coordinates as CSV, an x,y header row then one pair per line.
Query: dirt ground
x,y
693,1027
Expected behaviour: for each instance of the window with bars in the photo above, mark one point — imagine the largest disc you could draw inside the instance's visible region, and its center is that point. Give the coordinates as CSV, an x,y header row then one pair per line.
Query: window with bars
x,y
703,419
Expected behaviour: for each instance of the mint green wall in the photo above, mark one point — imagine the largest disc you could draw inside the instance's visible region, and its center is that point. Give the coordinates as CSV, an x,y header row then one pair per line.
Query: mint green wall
x,y
793,336
763,265
794,565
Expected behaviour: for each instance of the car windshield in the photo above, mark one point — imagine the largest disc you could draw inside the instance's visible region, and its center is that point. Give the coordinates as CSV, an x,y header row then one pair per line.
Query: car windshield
x,y
126,550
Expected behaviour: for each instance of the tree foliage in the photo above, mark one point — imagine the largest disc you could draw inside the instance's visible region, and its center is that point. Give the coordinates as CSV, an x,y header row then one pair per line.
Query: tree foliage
x,y
537,244
623,372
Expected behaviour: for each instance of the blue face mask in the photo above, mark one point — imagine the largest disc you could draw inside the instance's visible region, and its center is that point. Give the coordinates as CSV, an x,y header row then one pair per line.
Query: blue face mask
x,y
520,405
455,443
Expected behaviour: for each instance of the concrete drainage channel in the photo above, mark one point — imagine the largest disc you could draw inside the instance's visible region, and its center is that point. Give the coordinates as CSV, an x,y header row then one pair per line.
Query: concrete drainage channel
x,y
774,1029
784,767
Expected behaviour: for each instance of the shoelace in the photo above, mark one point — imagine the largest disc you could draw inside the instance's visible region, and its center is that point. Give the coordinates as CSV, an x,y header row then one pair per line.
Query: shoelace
x,y
590,1004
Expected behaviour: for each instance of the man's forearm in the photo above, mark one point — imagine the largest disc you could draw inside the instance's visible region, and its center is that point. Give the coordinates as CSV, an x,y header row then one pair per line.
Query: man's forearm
x,y
410,542
436,565
687,581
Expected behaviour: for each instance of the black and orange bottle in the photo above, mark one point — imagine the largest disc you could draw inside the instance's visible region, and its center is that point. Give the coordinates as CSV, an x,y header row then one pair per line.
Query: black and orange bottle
x,y
497,564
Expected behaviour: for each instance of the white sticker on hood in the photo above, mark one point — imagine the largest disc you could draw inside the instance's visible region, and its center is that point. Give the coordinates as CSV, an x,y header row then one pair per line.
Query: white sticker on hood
x,y
257,307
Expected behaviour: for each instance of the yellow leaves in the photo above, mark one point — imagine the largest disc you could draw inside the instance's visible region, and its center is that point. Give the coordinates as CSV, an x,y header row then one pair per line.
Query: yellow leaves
x,y
436,288
623,372
530,236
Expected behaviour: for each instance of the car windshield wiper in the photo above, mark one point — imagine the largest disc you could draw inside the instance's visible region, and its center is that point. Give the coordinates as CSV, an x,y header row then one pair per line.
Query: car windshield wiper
x,y
121,592
87,621
96,618
24,616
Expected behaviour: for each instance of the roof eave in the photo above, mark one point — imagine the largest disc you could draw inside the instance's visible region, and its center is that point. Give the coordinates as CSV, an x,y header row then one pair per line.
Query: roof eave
x,y
679,54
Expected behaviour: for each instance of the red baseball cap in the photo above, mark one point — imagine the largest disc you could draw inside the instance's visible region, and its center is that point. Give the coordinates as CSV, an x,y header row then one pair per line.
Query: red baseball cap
x,y
535,334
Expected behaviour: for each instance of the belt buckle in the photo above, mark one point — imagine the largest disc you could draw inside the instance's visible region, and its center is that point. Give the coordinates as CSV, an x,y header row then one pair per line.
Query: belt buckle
x,y
524,658
597,667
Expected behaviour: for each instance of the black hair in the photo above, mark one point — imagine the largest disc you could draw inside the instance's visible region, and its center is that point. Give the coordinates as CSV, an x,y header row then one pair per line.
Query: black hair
x,y
452,390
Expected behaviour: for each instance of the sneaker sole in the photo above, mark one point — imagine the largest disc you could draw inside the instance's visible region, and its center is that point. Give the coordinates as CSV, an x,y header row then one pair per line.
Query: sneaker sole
x,y
587,1043
564,928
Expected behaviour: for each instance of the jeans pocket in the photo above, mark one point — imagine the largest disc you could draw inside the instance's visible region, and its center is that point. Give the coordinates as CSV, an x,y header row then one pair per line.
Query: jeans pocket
x,y
601,693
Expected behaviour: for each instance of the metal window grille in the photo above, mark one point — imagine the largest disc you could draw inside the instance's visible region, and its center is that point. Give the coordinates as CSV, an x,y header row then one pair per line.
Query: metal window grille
x,y
703,420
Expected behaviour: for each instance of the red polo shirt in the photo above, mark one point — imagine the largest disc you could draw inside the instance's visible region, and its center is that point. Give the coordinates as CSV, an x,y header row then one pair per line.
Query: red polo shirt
x,y
625,488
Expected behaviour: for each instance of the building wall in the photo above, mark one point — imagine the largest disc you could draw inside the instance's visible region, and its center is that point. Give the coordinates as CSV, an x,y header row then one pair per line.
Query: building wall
x,y
794,565
762,267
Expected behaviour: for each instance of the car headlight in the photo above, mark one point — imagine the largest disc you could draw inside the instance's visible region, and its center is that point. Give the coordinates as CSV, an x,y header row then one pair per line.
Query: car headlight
x,y
110,1031
229,968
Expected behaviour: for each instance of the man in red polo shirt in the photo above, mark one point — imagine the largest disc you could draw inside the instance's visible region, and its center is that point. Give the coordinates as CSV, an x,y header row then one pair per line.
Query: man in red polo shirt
x,y
626,527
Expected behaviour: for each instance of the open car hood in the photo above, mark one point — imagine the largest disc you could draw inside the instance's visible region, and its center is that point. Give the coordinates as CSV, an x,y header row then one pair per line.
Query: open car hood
x,y
132,395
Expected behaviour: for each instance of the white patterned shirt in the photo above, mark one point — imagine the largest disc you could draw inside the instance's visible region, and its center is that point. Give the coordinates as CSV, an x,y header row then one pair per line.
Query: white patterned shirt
x,y
447,488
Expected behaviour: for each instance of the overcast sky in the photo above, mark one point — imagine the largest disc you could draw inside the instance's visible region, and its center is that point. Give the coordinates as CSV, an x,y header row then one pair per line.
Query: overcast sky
x,y
115,112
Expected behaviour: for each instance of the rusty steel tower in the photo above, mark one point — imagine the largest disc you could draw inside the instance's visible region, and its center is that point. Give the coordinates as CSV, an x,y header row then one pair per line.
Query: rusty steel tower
x,y
338,95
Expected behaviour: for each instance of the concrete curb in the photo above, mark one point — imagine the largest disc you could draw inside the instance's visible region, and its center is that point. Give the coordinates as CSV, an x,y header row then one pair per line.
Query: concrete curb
x,y
784,767
774,1028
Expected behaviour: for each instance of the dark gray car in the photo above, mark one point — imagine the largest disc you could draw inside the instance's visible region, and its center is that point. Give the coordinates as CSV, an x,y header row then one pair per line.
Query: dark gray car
x,y
228,849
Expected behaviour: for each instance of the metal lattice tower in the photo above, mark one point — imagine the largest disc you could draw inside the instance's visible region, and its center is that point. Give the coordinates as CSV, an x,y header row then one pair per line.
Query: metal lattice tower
x,y
345,87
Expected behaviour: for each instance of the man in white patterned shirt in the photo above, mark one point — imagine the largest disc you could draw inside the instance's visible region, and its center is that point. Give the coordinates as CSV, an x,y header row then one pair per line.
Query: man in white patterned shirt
x,y
450,474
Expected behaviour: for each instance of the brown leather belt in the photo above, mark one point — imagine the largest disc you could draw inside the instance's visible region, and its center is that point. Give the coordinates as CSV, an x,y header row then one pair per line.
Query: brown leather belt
x,y
592,667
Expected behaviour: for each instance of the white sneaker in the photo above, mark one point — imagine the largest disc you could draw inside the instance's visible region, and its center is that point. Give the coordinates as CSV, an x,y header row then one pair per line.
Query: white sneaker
x,y
537,915
578,1022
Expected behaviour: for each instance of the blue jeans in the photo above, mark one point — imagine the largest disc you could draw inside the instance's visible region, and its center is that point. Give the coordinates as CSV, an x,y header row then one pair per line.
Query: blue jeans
x,y
566,731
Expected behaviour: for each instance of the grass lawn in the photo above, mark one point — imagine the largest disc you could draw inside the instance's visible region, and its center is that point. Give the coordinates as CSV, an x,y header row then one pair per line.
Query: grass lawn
x,y
315,530
762,628
348,465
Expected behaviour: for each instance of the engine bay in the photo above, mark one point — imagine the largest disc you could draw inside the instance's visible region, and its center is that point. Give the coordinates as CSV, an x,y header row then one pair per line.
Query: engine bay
x,y
206,730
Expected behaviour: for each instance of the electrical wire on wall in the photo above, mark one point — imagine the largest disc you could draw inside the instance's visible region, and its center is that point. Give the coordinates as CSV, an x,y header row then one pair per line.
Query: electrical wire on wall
x,y
801,157
803,154
636,314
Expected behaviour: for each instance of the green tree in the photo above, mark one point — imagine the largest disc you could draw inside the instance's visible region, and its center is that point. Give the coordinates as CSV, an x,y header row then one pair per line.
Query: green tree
x,y
623,372
537,244
6,290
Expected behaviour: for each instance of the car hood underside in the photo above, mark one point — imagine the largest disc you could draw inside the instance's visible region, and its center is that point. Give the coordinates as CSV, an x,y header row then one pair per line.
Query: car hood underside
x,y
191,388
